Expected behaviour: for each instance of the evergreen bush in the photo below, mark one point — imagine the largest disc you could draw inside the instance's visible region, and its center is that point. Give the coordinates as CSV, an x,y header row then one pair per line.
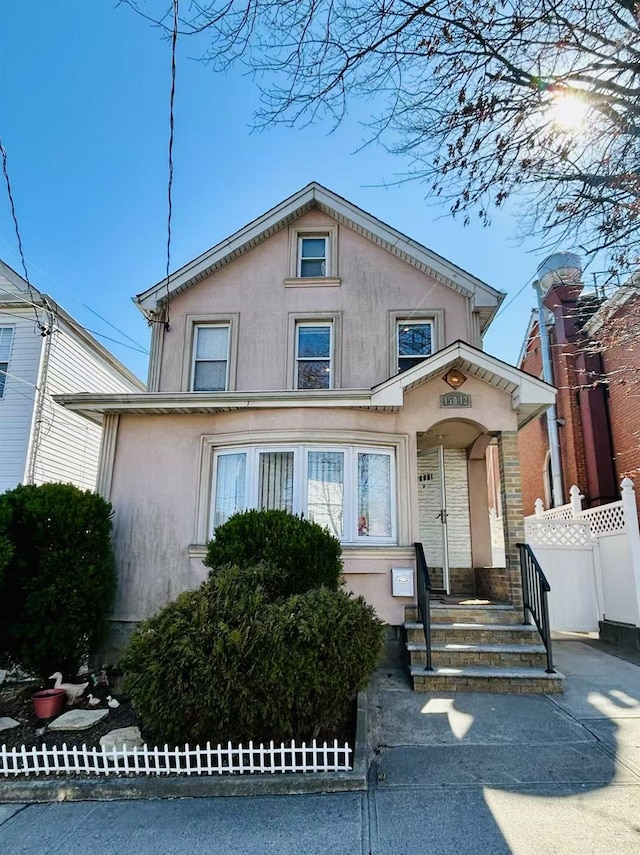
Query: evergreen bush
x,y
306,554
231,662
59,580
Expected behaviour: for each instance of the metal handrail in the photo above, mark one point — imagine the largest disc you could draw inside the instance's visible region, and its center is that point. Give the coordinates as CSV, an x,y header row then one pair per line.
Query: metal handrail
x,y
424,594
535,588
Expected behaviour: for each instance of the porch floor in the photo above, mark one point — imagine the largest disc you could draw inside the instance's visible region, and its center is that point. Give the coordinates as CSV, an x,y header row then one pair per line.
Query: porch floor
x,y
468,600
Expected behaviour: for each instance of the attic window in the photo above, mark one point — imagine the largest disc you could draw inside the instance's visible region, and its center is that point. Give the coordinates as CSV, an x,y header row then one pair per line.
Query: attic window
x,y
313,256
6,342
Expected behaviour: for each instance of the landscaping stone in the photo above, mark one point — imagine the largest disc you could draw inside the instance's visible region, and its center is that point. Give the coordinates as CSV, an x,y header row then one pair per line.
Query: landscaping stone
x,y
129,736
78,719
8,723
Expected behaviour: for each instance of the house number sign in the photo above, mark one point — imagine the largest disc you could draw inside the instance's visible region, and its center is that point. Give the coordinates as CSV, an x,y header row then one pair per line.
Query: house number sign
x,y
455,399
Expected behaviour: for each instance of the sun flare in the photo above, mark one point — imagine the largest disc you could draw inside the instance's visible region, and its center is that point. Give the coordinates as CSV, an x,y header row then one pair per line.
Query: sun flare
x,y
568,112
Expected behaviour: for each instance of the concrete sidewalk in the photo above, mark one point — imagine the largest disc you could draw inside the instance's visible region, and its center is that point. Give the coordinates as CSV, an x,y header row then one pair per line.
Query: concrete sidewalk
x,y
458,773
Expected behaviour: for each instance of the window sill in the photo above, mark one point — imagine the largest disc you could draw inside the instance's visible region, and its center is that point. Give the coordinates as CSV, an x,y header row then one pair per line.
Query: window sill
x,y
313,282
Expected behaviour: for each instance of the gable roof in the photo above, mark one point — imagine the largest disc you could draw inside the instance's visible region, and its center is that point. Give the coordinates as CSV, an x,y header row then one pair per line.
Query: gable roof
x,y
486,299
16,292
530,396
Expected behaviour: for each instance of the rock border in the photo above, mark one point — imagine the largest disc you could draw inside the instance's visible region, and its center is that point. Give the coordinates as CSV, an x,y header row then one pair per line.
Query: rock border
x,y
59,789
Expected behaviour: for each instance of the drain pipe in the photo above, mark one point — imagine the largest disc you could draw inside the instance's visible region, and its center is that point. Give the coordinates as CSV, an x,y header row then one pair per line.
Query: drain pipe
x,y
552,416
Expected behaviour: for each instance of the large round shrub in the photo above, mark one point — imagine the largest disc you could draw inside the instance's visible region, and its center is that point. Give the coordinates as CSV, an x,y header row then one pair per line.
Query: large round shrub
x,y
307,554
227,662
58,583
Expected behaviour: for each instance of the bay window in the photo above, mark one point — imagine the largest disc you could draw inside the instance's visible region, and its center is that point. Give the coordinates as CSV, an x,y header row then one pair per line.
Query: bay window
x,y
350,490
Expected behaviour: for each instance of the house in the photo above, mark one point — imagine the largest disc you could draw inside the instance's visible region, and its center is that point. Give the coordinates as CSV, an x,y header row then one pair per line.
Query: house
x,y
319,361
43,352
595,364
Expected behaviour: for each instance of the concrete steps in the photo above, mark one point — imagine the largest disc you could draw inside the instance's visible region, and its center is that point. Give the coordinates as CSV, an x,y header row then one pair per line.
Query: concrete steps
x,y
478,648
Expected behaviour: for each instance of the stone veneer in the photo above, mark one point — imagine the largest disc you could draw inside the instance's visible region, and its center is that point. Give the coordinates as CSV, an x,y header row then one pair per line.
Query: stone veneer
x,y
513,518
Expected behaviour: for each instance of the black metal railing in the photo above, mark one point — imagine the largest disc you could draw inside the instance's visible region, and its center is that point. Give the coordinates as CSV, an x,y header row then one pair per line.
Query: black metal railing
x,y
534,597
424,594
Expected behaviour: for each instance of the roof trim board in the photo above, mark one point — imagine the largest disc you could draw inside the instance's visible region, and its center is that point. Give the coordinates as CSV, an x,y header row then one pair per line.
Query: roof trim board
x,y
486,299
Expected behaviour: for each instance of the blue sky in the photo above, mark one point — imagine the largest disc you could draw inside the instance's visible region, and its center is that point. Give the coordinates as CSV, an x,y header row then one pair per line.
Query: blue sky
x,y
84,95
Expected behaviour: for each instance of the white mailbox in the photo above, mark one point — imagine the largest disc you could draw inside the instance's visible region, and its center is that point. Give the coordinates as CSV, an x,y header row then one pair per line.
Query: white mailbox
x,y
402,581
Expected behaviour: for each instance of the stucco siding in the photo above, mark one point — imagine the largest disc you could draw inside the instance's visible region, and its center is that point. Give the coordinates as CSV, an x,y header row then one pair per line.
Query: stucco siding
x,y
373,283
16,406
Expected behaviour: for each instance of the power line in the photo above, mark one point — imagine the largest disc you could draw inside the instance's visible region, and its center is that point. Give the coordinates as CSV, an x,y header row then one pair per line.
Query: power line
x,y
82,303
115,340
5,170
174,40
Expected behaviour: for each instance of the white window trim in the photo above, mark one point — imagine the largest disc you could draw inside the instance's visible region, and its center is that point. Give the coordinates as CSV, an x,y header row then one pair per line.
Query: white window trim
x,y
350,453
321,439
296,233
311,324
230,320
5,372
294,320
326,257
433,316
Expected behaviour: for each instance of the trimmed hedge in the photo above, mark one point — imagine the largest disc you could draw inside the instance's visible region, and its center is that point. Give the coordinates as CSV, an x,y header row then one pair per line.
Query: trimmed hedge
x,y
230,662
59,580
307,555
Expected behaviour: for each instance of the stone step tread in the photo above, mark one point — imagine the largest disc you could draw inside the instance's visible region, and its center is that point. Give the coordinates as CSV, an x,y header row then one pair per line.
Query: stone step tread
x,y
479,627
454,647
493,607
469,671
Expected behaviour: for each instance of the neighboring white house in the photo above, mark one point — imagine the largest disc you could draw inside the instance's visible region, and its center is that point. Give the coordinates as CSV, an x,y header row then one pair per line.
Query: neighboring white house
x,y
44,352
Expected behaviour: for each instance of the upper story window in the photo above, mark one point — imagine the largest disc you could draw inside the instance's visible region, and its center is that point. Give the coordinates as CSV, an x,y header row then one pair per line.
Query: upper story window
x,y
6,343
314,348
312,256
210,369
415,342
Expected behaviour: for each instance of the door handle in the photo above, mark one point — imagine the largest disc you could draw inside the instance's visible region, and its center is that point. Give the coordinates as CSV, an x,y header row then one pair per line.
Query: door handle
x,y
442,516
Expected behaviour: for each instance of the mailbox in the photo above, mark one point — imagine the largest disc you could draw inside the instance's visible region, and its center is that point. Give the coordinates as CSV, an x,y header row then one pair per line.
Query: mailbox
x,y
402,581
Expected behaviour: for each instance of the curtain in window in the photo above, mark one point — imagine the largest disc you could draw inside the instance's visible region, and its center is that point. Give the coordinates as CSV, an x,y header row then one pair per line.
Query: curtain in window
x,y
374,495
230,487
325,489
275,481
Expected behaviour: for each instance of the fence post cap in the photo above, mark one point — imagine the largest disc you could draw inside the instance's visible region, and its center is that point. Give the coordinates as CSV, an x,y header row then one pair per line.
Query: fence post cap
x,y
626,484
539,506
575,492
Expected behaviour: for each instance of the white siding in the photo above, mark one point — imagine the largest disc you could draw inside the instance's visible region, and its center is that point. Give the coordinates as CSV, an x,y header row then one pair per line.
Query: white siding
x,y
16,406
69,446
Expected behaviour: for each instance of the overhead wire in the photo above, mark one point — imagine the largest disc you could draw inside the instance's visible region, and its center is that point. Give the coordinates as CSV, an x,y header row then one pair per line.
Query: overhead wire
x,y
174,41
82,303
3,152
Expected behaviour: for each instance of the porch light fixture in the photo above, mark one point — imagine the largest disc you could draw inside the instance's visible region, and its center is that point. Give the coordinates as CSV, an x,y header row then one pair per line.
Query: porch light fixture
x,y
455,378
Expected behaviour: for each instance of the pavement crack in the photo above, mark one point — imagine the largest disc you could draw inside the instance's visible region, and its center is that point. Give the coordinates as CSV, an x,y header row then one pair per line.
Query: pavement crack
x,y
13,815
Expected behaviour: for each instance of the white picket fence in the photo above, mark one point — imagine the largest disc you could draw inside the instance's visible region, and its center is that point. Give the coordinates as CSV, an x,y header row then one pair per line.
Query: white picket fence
x,y
591,559
209,760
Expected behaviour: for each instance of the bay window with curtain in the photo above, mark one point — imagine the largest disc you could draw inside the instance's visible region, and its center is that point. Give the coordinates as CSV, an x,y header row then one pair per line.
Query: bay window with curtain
x,y
349,490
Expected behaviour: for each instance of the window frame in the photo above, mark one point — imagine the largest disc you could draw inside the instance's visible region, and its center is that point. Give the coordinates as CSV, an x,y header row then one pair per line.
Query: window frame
x,y
297,234
413,322
4,372
325,258
435,317
302,324
334,319
301,450
192,323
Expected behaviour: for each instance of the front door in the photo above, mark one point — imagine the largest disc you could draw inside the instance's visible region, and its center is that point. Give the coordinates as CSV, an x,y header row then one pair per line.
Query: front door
x,y
443,512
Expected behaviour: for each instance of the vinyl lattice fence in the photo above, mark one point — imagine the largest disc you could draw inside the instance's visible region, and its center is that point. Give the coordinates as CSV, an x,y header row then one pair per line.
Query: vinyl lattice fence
x,y
207,760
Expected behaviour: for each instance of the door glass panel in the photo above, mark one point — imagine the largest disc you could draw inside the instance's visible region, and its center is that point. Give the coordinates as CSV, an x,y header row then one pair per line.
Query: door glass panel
x,y
325,489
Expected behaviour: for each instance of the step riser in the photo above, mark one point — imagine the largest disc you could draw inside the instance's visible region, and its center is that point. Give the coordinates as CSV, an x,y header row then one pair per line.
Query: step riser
x,y
460,658
501,685
475,636
456,614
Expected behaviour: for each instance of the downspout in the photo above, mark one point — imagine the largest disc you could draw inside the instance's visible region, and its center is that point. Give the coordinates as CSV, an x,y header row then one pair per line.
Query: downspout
x,y
36,429
552,416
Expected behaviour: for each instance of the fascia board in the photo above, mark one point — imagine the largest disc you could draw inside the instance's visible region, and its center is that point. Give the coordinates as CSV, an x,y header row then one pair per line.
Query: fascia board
x,y
460,280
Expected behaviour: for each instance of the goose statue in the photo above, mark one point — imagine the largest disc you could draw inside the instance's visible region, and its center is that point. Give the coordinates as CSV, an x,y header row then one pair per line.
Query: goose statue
x,y
112,703
72,690
93,702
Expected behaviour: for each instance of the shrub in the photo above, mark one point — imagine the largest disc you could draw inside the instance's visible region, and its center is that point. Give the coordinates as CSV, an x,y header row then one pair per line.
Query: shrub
x,y
227,662
59,581
307,555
